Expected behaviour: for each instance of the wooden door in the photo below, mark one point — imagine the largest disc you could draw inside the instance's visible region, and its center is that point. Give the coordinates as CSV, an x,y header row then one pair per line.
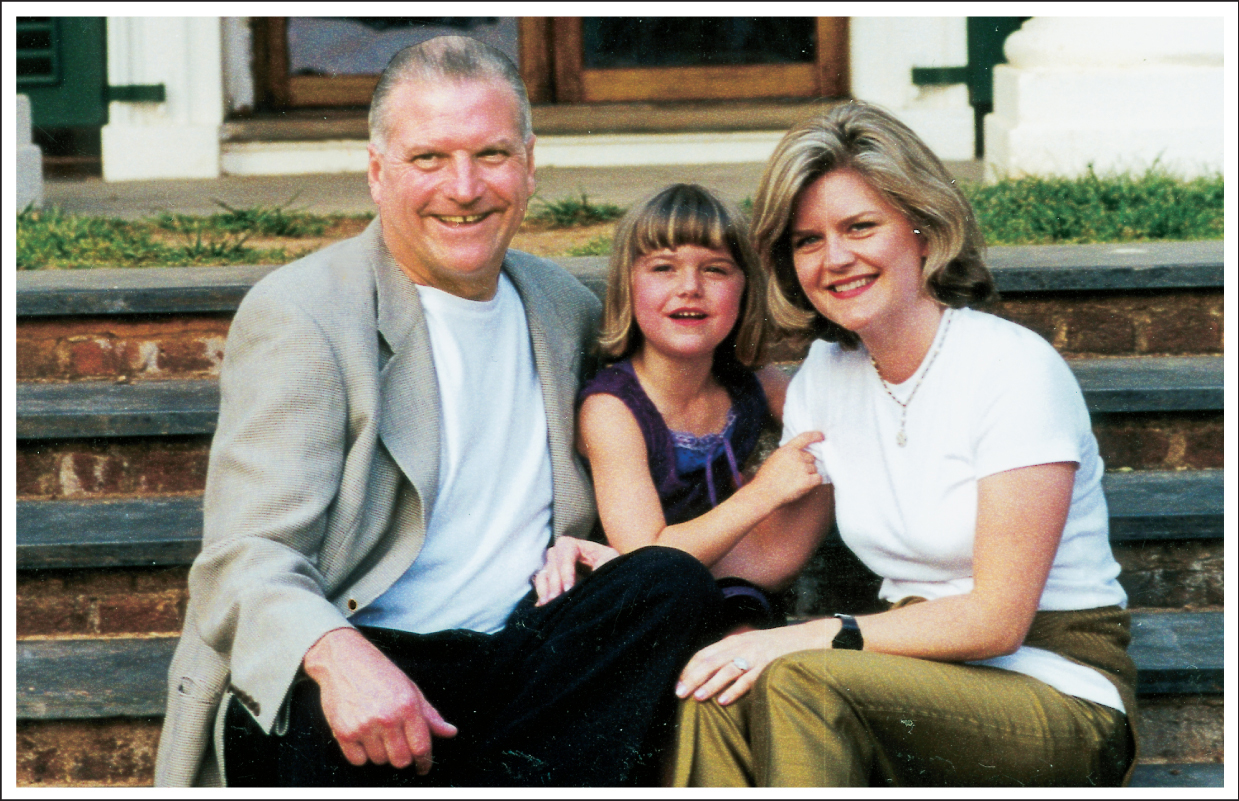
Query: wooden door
x,y
617,59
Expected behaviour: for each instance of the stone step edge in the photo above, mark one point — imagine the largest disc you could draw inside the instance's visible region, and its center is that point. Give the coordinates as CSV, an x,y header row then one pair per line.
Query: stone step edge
x,y
1182,774
68,410
1135,266
1175,653
167,530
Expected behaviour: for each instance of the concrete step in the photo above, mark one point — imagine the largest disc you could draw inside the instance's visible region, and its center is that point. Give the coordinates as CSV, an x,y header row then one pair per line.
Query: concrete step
x,y
1028,269
62,679
67,410
167,530
1179,775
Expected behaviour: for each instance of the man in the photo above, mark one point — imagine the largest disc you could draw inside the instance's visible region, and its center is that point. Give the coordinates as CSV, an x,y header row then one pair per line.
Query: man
x,y
393,458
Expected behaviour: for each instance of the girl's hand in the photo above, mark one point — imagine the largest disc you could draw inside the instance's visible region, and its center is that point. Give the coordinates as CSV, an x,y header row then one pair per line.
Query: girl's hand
x,y
790,472
714,671
559,572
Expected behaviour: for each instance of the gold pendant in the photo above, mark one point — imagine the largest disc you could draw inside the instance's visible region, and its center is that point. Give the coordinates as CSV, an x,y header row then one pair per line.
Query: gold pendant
x,y
900,439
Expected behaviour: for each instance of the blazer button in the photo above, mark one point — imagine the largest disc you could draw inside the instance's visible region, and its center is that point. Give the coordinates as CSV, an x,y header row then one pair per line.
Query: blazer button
x,y
352,604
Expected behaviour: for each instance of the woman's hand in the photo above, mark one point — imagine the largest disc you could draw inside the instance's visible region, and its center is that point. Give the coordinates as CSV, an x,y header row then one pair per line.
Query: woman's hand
x,y
790,472
714,669
559,572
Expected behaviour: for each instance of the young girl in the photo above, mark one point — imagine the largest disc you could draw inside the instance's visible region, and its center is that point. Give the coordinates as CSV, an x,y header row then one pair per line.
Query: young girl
x,y
668,425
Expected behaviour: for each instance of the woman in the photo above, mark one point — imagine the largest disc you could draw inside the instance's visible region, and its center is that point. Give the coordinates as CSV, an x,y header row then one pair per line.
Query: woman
x,y
960,466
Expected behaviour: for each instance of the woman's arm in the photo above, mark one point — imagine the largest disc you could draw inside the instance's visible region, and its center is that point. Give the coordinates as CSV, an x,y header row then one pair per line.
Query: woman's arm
x,y
1020,518
628,502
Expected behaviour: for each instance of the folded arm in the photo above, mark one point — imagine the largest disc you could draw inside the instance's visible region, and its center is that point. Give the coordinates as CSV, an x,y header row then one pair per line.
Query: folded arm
x,y
1020,518
628,503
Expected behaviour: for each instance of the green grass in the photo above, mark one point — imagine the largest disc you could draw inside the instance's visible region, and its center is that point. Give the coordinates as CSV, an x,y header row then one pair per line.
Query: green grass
x,y
259,220
598,246
52,239
1024,211
1093,208
570,212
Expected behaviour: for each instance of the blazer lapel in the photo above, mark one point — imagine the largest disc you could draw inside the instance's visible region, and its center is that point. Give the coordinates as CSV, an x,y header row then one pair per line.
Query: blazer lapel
x,y
557,362
408,389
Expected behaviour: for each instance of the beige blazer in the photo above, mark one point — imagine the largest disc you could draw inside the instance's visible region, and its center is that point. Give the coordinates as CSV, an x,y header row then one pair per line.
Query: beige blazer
x,y
323,472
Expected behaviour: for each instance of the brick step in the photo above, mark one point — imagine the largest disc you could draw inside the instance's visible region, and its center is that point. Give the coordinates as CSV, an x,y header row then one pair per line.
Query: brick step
x,y
72,694
121,752
66,410
168,530
1087,300
112,467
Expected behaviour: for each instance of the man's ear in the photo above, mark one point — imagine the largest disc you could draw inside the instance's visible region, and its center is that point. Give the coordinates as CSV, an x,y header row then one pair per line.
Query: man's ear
x,y
374,174
532,181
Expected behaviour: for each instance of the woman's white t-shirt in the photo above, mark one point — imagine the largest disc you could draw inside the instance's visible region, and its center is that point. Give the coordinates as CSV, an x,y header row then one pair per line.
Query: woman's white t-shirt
x,y
997,397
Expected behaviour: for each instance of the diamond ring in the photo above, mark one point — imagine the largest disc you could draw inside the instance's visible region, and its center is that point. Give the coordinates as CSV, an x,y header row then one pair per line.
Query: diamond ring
x,y
740,663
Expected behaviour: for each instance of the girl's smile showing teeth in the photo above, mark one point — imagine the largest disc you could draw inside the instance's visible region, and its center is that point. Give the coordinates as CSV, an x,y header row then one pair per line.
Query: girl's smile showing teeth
x,y
688,314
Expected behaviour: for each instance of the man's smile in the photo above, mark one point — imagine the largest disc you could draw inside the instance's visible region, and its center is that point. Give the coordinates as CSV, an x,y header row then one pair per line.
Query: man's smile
x,y
466,219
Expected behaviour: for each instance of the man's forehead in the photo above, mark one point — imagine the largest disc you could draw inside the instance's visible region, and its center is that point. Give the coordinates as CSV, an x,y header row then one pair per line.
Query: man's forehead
x,y
443,115
422,92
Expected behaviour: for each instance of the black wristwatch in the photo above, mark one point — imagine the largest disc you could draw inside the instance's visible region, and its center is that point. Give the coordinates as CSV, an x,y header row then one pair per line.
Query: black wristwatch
x,y
848,638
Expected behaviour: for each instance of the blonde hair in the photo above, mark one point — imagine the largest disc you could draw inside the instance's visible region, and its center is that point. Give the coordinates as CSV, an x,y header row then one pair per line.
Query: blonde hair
x,y
900,167
684,214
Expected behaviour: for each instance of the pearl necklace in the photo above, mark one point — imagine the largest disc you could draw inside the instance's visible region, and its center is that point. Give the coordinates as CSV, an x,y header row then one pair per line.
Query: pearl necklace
x,y
901,439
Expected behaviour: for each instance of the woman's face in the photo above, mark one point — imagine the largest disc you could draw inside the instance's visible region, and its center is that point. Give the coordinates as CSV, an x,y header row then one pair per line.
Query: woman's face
x,y
857,257
686,300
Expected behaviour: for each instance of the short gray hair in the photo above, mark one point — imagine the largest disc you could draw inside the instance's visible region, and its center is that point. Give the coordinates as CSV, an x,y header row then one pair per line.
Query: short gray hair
x,y
446,58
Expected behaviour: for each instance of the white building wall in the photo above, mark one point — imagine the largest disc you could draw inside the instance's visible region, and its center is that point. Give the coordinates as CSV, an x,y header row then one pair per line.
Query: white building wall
x,y
237,62
178,138
1119,94
883,51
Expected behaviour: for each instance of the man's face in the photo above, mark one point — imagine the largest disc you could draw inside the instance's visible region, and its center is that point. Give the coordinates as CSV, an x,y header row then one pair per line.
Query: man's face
x,y
453,183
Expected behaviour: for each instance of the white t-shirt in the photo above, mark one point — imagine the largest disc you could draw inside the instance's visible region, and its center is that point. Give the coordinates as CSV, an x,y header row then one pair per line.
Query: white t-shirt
x,y
996,398
491,522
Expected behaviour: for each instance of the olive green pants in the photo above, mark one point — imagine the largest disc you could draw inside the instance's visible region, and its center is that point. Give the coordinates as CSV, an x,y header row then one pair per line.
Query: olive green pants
x,y
856,719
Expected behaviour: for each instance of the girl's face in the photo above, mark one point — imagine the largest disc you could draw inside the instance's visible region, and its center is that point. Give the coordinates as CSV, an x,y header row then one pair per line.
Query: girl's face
x,y
686,300
857,257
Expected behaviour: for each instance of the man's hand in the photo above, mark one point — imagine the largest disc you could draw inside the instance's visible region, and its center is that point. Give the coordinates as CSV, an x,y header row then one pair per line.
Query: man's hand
x,y
559,572
376,713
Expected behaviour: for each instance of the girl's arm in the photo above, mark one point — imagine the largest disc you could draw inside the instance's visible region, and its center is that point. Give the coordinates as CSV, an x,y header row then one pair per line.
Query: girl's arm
x,y
1020,518
628,502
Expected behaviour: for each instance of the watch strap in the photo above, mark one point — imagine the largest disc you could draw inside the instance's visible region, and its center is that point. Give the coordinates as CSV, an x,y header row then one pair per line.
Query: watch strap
x,y
849,637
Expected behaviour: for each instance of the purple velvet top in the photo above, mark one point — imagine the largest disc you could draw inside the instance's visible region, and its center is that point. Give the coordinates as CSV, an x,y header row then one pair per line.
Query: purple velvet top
x,y
689,494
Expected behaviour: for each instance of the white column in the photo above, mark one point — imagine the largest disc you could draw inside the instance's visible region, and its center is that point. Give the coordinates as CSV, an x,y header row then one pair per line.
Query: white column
x,y
883,51
29,159
178,138
1118,93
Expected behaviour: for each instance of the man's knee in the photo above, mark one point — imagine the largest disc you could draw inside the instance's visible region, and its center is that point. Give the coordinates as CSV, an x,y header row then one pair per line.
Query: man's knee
x,y
670,571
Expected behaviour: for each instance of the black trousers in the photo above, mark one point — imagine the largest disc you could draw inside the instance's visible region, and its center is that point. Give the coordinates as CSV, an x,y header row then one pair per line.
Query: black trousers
x,y
574,693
